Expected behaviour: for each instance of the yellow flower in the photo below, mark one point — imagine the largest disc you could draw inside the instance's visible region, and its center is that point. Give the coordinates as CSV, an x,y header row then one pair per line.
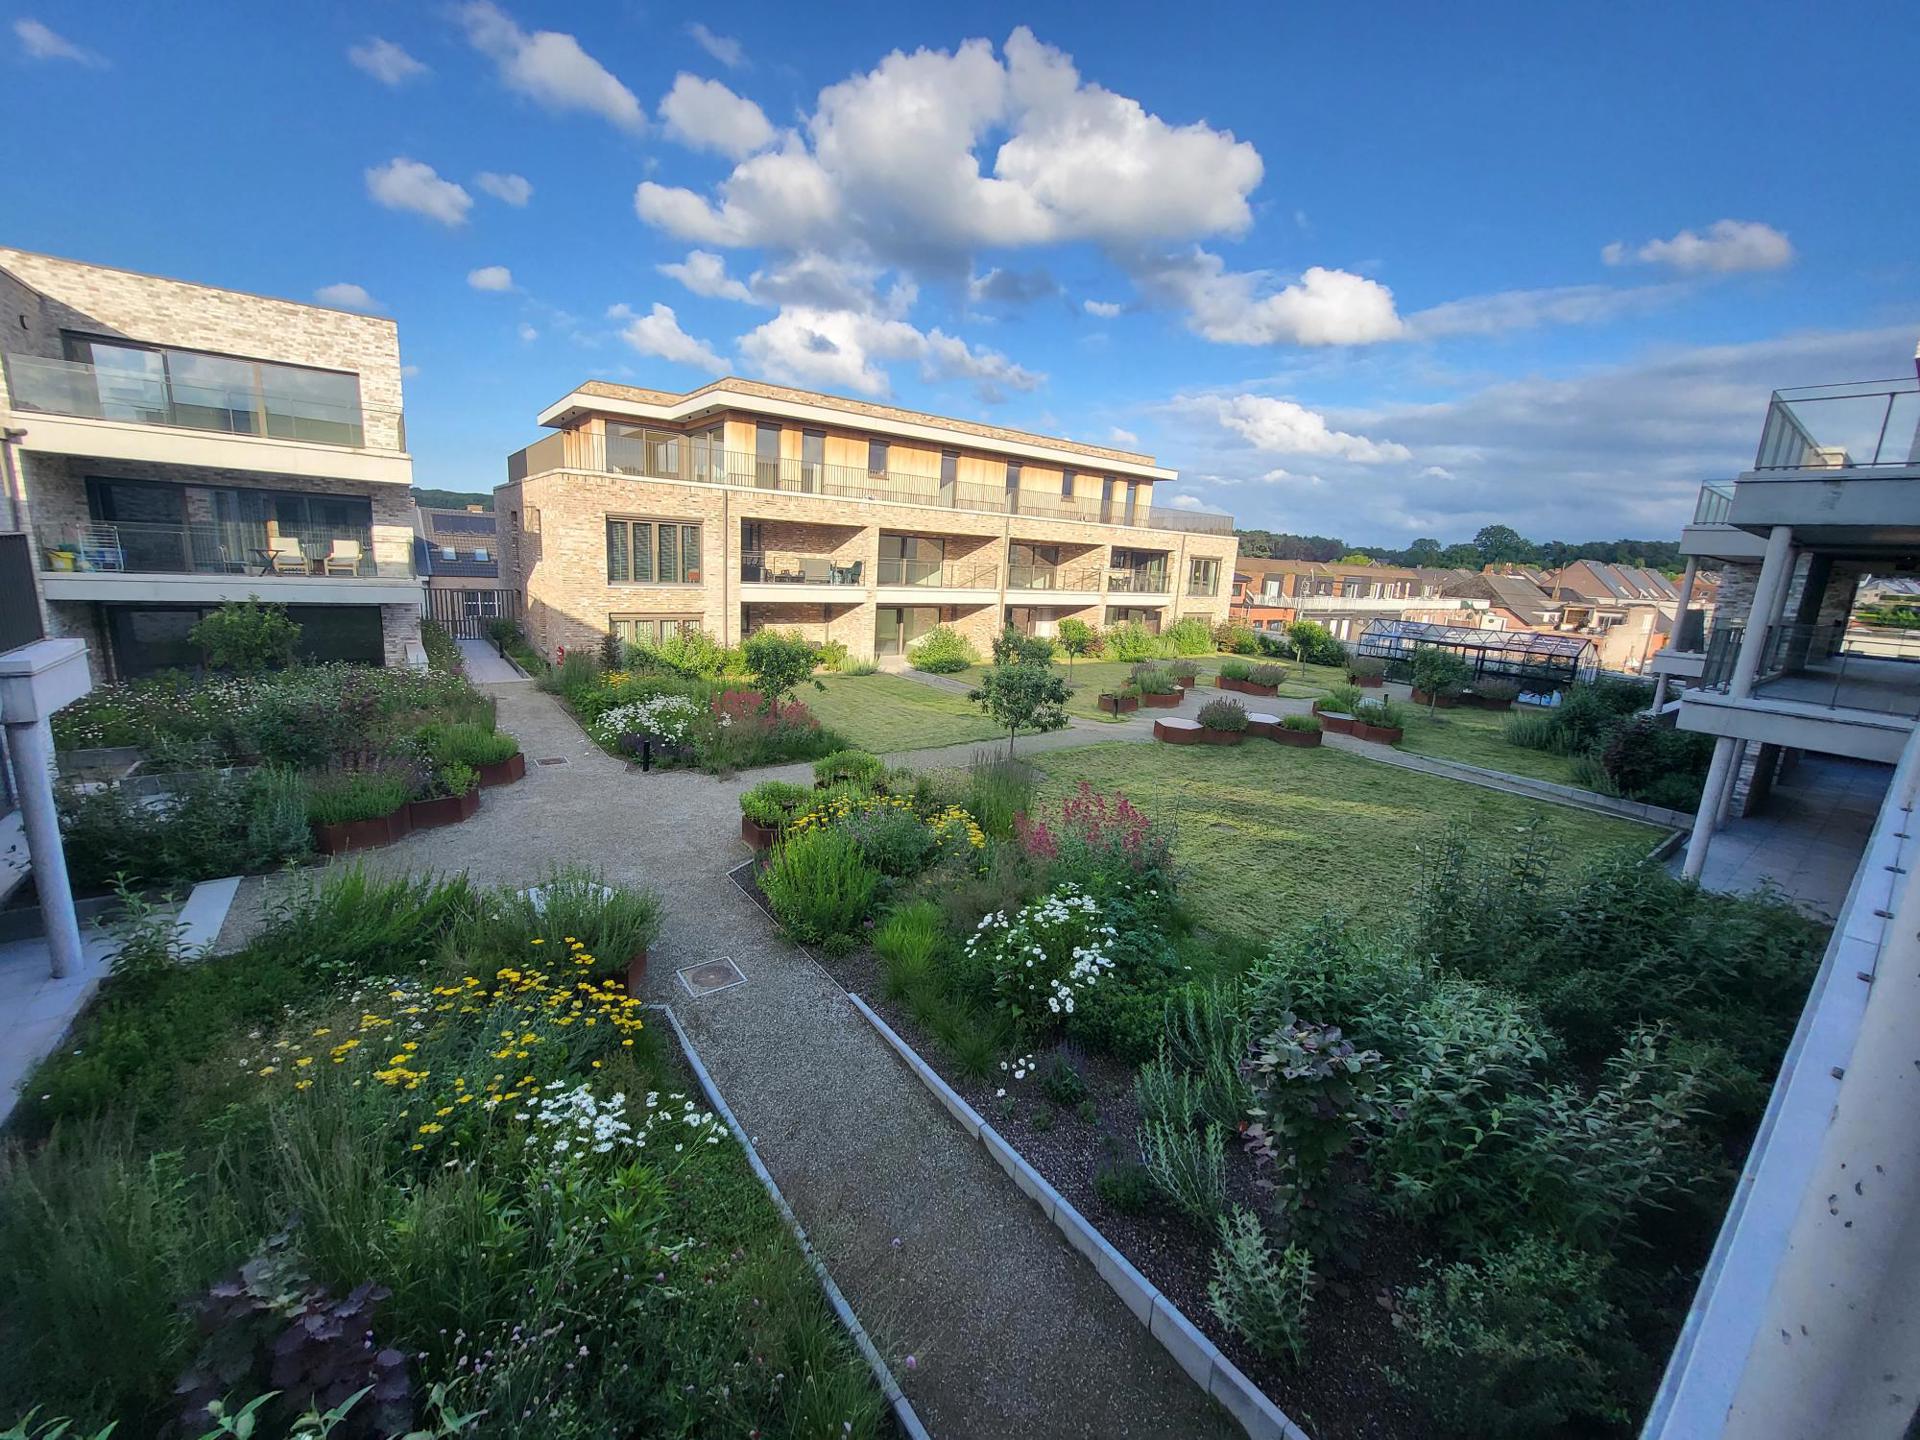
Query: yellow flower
x,y
431,1128
303,1084
539,942
304,1061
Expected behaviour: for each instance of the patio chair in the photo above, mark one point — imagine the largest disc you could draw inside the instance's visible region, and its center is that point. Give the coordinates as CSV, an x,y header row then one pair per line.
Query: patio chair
x,y
815,569
851,574
343,558
285,557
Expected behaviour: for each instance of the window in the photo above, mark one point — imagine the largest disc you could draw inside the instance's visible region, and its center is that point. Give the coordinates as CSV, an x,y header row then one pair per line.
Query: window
x,y
1066,484
480,554
709,455
480,604
650,630
1013,487
1133,493
877,457
949,466
1203,577
813,457
766,456
643,552
1106,498
447,552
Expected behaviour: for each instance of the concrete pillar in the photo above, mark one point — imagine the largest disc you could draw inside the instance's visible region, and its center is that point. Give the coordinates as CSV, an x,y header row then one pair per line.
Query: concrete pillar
x,y
1768,595
1725,807
35,681
1813,593
1679,624
1708,814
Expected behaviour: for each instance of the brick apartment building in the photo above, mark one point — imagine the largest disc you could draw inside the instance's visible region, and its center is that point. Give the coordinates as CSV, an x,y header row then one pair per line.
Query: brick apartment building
x,y
742,505
170,446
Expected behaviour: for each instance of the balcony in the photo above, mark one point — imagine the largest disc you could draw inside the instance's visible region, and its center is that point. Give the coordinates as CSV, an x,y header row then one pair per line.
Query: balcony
x,y
672,456
1714,504
1076,580
126,414
939,574
213,561
1143,584
1842,427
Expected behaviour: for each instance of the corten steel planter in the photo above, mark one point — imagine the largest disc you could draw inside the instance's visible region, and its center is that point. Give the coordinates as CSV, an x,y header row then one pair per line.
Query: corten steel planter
x,y
1211,736
760,837
1302,739
346,835
1367,682
1258,724
1179,732
636,973
1334,723
1442,702
1485,704
1249,687
1119,704
447,810
1162,702
513,768
1379,734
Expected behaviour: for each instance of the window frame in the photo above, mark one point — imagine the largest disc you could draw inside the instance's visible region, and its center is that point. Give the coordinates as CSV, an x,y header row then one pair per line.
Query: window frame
x,y
654,620
882,450
654,525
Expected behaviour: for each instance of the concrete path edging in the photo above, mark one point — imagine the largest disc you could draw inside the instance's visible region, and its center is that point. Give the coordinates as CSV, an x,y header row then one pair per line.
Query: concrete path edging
x,y
1212,1371
896,1398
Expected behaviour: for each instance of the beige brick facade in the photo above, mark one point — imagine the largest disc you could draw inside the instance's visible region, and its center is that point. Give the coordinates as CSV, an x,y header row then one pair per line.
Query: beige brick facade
x,y
44,298
553,539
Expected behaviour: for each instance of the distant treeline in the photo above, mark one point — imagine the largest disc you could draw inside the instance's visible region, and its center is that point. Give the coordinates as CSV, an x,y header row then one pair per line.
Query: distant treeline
x,y
1494,545
451,499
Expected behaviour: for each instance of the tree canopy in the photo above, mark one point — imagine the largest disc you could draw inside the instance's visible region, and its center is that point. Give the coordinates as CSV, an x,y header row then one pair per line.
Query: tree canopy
x,y
1493,545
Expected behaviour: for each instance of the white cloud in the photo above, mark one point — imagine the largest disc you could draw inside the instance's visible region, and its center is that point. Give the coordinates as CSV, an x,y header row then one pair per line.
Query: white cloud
x,y
1105,309
1186,502
658,333
723,48
1728,246
491,277
847,350
549,67
409,371
1011,287
890,162
1509,310
1436,472
403,184
347,296
1282,427
1126,439
705,273
39,42
516,190
528,333
385,61
708,116
1322,307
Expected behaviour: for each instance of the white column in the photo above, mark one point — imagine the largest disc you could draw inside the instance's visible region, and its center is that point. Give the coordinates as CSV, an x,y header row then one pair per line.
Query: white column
x,y
1708,814
1679,619
35,681
1725,807
1776,570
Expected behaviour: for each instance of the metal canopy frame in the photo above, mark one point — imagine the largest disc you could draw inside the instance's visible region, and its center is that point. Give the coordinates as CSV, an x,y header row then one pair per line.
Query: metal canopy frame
x,y
1527,657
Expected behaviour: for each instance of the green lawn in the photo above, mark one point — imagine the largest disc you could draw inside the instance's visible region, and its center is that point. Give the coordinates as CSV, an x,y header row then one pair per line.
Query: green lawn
x,y
889,712
1271,836
1089,677
1477,737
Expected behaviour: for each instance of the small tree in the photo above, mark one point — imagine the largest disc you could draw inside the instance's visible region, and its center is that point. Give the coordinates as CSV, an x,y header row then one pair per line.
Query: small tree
x,y
1441,673
779,662
246,636
1010,647
1023,695
1077,638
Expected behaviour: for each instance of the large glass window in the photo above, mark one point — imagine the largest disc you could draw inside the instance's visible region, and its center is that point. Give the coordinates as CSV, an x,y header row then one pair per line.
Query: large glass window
x,y
709,454
895,627
911,559
876,457
766,456
650,630
652,552
813,458
1203,577
160,386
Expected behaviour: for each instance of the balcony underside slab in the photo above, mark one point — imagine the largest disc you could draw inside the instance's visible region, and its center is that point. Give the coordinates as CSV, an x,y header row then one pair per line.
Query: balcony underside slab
x,y
124,589
1859,734
212,449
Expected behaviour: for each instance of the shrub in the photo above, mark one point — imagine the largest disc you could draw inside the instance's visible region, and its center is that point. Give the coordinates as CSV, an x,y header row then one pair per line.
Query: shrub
x,y
692,653
1190,636
1341,700
352,923
1311,1090
1236,668
277,828
1260,1298
576,914
1124,1184
1188,1168
1267,674
1646,751
819,884
1385,714
1044,957
1440,673
1305,724
905,942
1366,667
831,655
1206,1039
246,636
1223,714
1514,1343
443,653
1315,645
1673,792
893,840
774,802
1078,639
1587,772
1010,647
1131,642
344,797
999,792
856,766
1107,846
1153,680
1184,672
859,667
468,743
1496,690
780,661
1060,1077
1535,732
1237,638
943,650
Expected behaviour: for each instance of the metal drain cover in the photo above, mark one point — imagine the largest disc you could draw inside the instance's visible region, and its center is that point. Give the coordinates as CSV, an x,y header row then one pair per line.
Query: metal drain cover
x,y
552,760
711,975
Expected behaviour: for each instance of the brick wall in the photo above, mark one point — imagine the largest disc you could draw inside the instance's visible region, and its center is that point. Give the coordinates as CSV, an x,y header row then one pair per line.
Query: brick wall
x,y
100,301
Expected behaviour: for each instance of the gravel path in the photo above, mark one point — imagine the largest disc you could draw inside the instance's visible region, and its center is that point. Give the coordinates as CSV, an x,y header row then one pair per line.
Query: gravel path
x,y
1010,1331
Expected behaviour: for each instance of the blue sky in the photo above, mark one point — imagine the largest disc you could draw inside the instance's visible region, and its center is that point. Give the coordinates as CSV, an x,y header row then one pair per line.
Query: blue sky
x,y
1379,272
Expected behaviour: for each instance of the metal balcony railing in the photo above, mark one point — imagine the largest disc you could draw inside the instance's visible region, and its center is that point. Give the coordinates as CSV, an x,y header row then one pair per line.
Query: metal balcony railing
x,y
70,387
1842,427
775,567
1053,577
1714,505
663,455
939,574
217,548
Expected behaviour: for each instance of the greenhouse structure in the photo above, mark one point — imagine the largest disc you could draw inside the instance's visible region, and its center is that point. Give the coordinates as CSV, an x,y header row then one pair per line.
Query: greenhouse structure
x,y
1533,660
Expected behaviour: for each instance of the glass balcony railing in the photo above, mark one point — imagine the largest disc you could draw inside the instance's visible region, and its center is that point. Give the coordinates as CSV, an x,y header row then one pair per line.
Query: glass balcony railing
x,y
672,456
1081,578
775,567
939,574
217,548
1714,505
1138,582
152,397
1842,427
